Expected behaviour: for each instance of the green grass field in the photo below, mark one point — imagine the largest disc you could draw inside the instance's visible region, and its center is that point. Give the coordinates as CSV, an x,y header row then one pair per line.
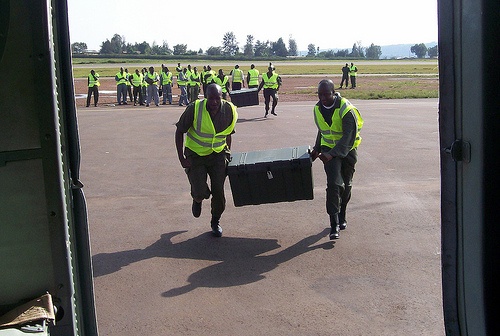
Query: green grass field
x,y
108,67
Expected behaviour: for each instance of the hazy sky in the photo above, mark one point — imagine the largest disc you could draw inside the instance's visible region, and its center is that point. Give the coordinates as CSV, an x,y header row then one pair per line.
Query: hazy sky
x,y
326,24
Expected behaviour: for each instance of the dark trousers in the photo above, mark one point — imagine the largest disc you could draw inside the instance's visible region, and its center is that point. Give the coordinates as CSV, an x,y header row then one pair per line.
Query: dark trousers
x,y
129,91
235,86
193,92
144,91
339,174
213,166
346,79
268,93
138,93
353,81
95,91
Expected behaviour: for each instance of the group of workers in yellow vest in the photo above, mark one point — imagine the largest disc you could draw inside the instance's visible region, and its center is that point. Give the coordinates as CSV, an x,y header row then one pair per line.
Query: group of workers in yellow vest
x,y
189,80
146,85
347,71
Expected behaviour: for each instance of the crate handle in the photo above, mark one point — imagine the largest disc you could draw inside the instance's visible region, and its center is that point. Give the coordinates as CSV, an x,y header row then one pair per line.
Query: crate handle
x,y
269,175
243,158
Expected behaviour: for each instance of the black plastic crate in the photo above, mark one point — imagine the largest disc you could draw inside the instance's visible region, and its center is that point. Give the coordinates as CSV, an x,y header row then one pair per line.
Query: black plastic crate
x,y
244,97
271,176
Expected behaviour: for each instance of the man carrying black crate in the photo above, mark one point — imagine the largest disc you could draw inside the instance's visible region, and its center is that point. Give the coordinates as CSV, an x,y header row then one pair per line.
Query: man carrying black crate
x,y
339,124
208,125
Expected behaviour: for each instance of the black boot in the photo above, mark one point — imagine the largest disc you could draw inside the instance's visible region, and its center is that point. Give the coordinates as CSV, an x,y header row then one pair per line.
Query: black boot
x,y
342,220
196,209
216,228
334,226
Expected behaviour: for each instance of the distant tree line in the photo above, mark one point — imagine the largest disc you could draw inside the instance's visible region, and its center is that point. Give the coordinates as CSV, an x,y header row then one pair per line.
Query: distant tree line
x,y
421,50
357,51
252,48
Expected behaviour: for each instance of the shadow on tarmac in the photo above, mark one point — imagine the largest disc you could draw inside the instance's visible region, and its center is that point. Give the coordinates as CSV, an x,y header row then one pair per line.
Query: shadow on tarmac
x,y
242,120
240,260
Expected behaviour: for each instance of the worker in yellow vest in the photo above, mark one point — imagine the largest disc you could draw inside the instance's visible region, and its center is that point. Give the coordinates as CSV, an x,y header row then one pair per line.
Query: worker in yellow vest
x,y
136,80
339,124
166,85
202,78
353,72
189,71
194,85
152,79
93,85
178,70
271,83
208,124
223,81
145,85
182,82
121,87
208,78
253,77
129,84
237,78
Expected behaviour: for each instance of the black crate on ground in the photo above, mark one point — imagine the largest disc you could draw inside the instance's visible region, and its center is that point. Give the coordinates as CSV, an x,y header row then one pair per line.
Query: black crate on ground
x,y
244,97
271,176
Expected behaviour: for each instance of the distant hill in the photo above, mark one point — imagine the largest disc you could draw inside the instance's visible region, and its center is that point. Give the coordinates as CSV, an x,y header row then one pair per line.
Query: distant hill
x,y
400,50
388,51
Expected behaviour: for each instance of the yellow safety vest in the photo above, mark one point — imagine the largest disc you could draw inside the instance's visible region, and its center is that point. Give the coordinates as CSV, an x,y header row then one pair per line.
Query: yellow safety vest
x,y
333,133
144,83
270,82
93,81
222,83
237,75
183,81
209,77
122,79
192,79
154,77
137,79
254,77
201,137
188,77
353,70
166,78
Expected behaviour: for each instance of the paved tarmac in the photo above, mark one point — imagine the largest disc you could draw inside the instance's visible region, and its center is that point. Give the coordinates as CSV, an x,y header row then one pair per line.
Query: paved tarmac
x,y
158,271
